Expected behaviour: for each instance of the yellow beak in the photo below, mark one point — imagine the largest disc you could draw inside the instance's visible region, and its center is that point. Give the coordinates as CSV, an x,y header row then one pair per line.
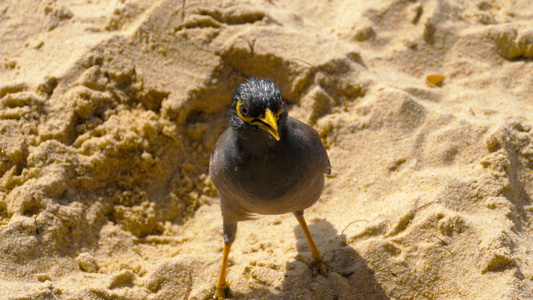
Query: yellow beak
x,y
269,124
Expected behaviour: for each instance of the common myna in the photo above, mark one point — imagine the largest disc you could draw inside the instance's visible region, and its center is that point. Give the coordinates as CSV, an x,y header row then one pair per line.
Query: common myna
x,y
267,163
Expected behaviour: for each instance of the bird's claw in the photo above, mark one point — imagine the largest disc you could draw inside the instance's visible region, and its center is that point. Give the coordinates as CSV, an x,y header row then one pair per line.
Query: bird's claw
x,y
316,265
319,267
221,291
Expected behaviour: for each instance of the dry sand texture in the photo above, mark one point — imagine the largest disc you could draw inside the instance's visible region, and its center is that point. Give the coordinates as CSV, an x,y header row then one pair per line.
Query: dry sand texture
x,y
109,111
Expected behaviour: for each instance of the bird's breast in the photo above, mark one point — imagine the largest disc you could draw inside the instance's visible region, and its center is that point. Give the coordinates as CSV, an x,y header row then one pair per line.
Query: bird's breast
x,y
276,184
270,177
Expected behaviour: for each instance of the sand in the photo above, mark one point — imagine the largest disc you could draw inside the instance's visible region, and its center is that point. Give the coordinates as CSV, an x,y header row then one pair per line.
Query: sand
x,y
109,111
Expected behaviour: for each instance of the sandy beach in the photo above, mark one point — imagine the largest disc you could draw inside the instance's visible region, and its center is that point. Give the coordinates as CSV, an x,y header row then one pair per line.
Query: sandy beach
x,y
109,111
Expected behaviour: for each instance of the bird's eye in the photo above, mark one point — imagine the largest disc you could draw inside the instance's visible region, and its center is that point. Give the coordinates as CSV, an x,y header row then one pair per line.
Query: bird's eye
x,y
243,110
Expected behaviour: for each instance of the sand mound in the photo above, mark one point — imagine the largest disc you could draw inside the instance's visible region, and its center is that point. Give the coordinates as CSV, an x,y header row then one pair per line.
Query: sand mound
x,y
109,111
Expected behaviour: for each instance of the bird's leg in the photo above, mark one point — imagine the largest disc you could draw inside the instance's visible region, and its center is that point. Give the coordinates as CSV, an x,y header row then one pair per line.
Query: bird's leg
x,y
230,231
317,257
222,283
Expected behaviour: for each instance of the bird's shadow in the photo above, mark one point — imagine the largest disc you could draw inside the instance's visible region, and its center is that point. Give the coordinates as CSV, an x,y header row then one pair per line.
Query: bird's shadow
x,y
349,276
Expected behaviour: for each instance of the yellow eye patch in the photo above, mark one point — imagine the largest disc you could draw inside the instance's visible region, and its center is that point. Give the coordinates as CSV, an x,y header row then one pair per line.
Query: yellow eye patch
x,y
280,111
242,111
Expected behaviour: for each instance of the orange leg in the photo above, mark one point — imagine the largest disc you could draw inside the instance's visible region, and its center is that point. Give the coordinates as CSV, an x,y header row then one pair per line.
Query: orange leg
x,y
222,283
317,257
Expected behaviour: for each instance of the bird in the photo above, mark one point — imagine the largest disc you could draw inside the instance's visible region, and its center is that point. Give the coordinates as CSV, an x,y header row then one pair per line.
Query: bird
x,y
265,163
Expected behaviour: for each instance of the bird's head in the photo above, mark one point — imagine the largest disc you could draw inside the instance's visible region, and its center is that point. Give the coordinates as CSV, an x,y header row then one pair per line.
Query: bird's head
x,y
257,104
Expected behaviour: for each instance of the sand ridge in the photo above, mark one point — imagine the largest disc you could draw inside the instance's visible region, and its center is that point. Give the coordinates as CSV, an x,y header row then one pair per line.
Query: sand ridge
x,y
109,112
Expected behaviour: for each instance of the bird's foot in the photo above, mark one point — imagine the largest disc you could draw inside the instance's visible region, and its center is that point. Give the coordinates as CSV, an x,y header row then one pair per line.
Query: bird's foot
x,y
221,290
316,265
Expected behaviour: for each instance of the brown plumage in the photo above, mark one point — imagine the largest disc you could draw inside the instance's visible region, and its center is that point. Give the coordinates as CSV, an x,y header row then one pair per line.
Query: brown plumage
x,y
266,162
